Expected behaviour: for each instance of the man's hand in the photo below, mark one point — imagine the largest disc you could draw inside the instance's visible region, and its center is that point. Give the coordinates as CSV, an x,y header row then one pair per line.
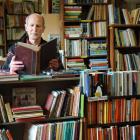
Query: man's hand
x,y
15,65
54,64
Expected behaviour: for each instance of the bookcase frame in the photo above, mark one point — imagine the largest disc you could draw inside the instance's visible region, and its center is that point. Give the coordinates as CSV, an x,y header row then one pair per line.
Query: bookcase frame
x,y
43,87
2,29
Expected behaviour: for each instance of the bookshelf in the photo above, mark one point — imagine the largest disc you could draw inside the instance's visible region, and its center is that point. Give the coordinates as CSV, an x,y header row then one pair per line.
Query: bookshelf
x,y
2,30
23,130
124,46
116,111
124,38
16,12
84,34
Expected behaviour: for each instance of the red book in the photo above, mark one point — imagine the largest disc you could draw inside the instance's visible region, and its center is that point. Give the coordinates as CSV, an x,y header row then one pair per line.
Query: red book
x,y
49,102
26,108
9,135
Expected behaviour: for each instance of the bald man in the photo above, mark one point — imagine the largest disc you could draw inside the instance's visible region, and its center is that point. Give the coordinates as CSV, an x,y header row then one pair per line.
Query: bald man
x,y
34,27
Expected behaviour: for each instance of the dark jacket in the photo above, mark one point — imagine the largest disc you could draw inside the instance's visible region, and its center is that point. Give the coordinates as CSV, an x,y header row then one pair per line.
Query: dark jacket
x,y
11,53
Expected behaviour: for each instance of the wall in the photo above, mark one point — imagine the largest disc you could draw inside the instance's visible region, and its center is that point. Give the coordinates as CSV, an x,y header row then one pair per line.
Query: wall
x,y
52,23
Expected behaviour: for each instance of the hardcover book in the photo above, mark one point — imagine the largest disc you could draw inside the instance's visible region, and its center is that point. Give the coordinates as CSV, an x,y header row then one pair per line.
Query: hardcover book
x,y
36,58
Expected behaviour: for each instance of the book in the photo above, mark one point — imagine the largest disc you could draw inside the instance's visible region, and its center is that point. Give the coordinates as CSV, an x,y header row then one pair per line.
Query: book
x,y
9,135
26,108
36,58
33,77
9,112
3,110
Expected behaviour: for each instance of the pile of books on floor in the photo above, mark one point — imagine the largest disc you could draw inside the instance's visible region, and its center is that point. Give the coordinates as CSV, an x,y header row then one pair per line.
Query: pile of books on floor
x,y
28,113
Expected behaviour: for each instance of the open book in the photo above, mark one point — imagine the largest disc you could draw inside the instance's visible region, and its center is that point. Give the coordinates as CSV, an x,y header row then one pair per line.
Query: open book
x,y
36,58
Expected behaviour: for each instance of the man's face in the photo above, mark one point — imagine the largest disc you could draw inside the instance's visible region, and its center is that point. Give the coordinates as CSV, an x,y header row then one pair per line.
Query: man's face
x,y
34,27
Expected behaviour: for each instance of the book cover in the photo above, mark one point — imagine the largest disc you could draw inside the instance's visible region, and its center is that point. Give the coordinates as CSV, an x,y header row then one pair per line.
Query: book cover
x,y
29,55
24,96
36,58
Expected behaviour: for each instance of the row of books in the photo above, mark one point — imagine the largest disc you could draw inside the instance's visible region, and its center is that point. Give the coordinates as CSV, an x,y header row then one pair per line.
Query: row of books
x,y
14,33
113,111
15,20
119,83
94,29
59,103
123,16
73,31
97,12
65,103
27,113
126,38
84,47
131,17
59,130
98,64
24,7
127,61
72,13
113,132
5,134
74,47
75,64
86,29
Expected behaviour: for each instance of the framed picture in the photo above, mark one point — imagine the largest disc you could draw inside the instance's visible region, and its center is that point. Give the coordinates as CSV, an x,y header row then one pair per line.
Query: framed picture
x,y
25,96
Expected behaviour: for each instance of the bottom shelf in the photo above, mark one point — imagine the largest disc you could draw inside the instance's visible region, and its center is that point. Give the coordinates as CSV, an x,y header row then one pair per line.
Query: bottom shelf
x,y
114,133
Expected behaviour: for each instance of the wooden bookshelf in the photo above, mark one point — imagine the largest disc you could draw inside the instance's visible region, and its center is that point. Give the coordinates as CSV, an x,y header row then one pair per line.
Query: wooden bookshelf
x,y
19,130
84,24
126,46
109,112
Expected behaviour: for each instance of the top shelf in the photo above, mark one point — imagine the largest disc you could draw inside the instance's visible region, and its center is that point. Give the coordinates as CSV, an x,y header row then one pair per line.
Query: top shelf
x,y
40,80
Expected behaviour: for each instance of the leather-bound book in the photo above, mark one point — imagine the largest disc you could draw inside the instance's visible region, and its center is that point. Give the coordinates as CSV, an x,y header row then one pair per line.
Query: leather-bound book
x,y
36,58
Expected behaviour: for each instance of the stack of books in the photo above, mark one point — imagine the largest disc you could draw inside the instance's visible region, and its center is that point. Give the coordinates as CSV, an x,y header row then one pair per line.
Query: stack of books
x,y
28,113
7,76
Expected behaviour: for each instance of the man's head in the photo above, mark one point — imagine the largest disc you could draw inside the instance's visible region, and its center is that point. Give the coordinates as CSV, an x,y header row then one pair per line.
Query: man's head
x,y
34,26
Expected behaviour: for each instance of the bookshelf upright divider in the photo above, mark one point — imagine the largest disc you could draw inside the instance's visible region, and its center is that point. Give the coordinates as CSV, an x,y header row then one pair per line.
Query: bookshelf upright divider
x,y
2,30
